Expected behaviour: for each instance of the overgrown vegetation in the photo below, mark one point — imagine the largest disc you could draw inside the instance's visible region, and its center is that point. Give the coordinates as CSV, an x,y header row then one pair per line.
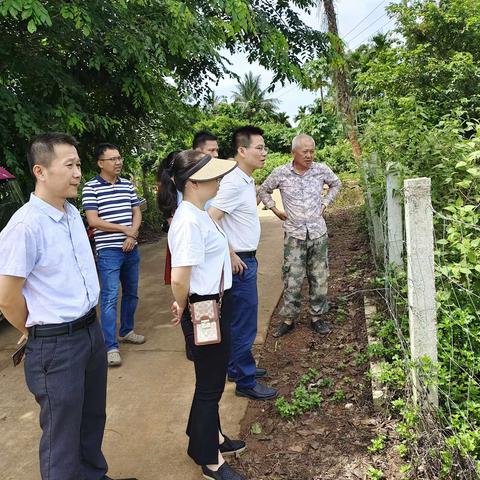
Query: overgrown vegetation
x,y
418,107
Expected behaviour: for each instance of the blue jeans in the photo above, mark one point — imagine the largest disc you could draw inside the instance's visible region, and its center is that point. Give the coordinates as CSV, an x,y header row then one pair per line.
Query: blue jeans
x,y
116,266
241,306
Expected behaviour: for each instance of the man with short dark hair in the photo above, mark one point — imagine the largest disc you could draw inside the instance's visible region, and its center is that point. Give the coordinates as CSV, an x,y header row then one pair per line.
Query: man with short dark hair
x,y
235,206
48,291
113,210
206,142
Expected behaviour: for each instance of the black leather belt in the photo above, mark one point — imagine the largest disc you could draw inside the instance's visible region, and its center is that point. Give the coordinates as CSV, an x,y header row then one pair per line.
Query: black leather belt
x,y
253,253
54,330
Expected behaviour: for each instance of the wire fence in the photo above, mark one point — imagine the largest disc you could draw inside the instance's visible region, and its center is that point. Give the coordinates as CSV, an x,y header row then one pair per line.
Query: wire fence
x,y
447,443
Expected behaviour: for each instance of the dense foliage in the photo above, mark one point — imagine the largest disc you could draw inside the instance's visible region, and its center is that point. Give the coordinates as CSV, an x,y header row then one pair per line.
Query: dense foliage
x,y
417,97
129,71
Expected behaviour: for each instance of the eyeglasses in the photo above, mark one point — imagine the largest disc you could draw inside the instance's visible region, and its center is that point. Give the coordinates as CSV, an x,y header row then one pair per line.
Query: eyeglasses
x,y
113,159
261,148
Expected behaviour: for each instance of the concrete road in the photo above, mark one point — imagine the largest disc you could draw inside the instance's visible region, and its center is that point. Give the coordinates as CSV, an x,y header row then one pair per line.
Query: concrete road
x,y
149,396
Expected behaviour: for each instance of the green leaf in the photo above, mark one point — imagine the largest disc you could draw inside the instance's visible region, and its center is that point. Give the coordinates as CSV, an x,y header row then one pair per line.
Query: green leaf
x,y
26,14
474,172
32,27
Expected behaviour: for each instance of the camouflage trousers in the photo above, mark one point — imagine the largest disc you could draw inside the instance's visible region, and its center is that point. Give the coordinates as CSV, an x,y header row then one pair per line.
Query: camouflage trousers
x,y
305,258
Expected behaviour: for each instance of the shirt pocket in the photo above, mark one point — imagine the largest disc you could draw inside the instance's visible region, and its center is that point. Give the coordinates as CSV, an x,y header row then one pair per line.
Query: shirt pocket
x,y
56,252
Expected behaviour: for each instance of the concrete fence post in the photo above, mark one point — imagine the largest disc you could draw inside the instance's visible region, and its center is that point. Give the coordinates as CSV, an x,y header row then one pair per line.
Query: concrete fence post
x,y
377,242
421,290
394,219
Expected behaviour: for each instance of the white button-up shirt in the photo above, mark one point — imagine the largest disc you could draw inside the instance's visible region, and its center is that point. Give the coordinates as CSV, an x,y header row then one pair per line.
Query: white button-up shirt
x,y
237,198
50,249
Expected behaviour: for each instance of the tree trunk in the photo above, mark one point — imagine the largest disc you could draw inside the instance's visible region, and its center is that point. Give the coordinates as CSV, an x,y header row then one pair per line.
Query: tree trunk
x,y
340,80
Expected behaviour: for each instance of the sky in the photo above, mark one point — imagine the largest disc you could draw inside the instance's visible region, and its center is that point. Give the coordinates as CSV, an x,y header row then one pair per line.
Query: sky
x,y
358,20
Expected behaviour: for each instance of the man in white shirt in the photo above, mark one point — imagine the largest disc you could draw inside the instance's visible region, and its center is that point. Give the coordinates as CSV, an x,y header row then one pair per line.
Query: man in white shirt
x,y
235,206
48,291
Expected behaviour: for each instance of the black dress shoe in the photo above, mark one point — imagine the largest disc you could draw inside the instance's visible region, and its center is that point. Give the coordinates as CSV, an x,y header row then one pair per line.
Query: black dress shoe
x,y
283,328
321,327
231,447
259,373
258,392
225,472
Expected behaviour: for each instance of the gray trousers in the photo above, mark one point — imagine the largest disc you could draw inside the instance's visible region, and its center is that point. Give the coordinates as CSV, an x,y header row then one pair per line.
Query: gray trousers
x,y
67,374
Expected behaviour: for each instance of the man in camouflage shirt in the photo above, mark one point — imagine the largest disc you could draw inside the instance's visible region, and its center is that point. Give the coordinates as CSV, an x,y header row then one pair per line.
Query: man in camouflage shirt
x,y
306,241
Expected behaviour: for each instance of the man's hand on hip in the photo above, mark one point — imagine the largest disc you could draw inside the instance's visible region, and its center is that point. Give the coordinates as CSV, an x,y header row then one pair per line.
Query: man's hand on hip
x,y
238,265
279,213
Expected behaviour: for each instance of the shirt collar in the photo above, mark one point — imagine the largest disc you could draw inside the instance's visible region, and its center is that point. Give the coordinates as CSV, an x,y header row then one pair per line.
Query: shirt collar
x,y
104,182
292,169
243,175
50,210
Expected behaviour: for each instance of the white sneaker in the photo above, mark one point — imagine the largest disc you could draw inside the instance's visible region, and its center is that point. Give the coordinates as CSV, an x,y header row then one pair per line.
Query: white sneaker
x,y
114,359
132,337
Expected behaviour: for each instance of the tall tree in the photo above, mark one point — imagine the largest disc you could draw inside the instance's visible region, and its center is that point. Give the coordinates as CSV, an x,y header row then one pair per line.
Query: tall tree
x,y
101,69
251,98
340,78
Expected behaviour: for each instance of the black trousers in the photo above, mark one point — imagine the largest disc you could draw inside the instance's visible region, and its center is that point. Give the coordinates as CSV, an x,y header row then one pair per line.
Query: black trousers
x,y
67,374
211,363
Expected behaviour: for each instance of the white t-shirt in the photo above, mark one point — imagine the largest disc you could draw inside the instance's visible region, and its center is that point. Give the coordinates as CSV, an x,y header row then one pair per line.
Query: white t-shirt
x,y
237,198
180,200
195,241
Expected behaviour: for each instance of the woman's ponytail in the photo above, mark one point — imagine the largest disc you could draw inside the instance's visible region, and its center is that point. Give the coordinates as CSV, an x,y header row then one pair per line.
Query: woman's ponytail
x,y
167,191
175,166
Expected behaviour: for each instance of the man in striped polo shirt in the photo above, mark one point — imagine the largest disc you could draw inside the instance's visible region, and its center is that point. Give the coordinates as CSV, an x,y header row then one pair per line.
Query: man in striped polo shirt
x,y
112,209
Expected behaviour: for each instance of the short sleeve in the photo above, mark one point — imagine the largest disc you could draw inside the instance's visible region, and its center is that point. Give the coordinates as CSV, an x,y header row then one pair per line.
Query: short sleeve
x,y
186,244
133,196
228,198
89,198
18,251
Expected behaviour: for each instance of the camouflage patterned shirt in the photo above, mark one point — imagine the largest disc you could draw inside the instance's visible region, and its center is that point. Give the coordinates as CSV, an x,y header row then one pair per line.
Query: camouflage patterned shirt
x,y
302,197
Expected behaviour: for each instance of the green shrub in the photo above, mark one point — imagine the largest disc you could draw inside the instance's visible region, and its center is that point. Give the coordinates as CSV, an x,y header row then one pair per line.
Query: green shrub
x,y
339,157
274,160
278,137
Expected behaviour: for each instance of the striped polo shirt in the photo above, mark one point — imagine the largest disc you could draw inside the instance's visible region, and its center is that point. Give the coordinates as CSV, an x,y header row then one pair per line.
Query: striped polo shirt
x,y
114,203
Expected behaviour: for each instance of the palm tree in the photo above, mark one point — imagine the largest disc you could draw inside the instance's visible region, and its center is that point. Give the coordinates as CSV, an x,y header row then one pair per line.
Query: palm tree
x,y
339,70
251,98
212,101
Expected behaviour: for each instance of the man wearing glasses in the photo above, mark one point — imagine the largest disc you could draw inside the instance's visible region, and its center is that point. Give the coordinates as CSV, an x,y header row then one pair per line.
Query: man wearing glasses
x,y
235,206
113,211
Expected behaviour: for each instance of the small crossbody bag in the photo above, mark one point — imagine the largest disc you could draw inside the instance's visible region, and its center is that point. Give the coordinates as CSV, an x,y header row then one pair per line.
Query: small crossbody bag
x,y
206,319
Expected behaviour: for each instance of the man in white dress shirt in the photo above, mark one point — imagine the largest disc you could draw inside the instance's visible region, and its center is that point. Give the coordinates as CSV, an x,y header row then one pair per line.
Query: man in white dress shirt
x,y
48,291
235,206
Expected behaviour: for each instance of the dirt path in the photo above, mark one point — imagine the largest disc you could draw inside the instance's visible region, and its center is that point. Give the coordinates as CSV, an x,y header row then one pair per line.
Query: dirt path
x,y
332,441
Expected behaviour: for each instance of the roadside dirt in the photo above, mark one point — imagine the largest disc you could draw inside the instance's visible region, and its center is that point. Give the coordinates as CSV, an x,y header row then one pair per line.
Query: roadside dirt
x,y
332,441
